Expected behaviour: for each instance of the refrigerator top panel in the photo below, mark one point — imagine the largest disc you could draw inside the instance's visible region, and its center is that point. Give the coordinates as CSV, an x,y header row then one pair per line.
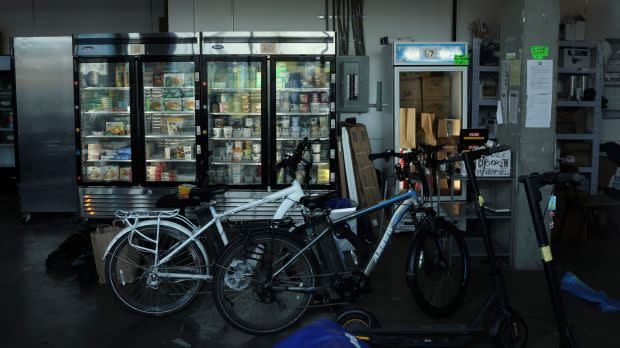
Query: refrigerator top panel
x,y
5,63
136,44
269,42
429,53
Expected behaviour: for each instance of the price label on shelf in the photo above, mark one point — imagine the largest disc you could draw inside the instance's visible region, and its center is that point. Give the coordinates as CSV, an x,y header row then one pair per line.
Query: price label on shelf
x,y
135,49
461,59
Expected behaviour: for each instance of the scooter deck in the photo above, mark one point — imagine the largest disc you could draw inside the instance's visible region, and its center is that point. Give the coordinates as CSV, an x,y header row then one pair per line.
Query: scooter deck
x,y
427,335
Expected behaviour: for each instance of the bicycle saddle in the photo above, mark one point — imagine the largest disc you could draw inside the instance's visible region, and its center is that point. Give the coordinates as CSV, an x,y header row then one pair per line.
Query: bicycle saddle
x,y
196,196
316,202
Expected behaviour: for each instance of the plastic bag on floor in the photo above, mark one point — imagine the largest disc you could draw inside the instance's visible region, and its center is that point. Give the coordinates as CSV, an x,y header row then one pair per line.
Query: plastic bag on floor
x,y
574,286
321,334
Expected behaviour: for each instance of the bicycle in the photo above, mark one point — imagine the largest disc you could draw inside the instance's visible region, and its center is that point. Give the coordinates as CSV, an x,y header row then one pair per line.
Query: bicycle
x,y
157,264
278,275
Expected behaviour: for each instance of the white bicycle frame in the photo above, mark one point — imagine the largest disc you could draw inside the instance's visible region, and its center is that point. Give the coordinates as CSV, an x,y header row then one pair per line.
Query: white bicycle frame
x,y
290,196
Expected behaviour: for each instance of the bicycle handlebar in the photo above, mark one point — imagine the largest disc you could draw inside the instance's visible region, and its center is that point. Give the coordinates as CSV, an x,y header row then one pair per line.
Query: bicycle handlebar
x,y
408,156
552,178
296,157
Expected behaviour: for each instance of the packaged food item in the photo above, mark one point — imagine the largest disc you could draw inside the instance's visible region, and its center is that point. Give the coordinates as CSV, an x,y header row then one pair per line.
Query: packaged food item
x,y
94,173
187,93
167,153
173,93
110,173
94,151
188,152
114,128
174,125
188,104
180,153
173,104
124,173
174,80
155,104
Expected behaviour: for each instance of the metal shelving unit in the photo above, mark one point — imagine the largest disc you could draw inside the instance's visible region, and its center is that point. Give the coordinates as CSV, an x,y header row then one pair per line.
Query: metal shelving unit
x,y
477,100
612,85
597,73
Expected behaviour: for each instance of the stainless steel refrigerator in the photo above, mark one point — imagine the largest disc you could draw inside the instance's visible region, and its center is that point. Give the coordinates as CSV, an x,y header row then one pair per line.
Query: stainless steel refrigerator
x,y
7,136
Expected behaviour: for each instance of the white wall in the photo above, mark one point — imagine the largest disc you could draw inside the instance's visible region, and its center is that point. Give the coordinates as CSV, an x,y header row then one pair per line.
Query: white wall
x,y
421,19
602,22
63,17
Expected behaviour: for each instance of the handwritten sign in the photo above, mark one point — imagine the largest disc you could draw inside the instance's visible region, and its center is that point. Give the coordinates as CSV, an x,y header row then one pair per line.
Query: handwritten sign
x,y
539,52
461,59
497,164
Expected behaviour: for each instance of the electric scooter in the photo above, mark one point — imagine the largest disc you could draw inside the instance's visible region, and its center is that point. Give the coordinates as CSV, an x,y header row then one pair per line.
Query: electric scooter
x,y
532,184
495,319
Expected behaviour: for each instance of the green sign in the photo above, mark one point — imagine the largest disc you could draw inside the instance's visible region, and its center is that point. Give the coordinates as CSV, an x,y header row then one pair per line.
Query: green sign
x,y
539,52
461,59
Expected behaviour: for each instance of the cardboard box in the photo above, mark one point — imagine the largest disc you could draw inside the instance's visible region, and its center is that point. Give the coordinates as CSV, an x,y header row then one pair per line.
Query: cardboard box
x,y
497,164
427,128
438,106
577,154
448,127
435,87
366,182
574,121
407,128
575,30
410,90
606,173
575,58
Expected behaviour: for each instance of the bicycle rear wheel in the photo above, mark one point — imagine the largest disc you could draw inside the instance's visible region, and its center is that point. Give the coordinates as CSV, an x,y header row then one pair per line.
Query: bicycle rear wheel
x,y
245,295
438,268
135,283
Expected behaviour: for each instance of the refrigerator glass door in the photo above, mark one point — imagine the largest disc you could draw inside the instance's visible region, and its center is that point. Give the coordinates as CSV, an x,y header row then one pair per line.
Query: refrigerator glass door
x,y
7,152
431,109
169,121
303,102
105,128
236,122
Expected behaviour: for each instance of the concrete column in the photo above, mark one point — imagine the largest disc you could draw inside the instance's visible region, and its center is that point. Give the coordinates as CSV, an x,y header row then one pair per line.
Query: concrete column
x,y
526,23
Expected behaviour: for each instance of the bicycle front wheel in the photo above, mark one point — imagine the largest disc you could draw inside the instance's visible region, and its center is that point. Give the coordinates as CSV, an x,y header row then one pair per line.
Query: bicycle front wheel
x,y
438,268
139,286
245,293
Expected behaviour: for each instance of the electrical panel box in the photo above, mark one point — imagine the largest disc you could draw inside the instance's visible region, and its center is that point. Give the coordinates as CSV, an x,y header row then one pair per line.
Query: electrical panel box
x,y
352,84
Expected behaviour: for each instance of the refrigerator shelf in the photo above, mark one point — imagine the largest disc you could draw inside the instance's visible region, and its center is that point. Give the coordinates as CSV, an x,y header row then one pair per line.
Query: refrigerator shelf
x,y
165,136
300,138
112,160
161,87
176,113
153,160
245,163
106,88
234,138
6,109
302,113
237,113
232,89
6,129
124,113
308,89
107,136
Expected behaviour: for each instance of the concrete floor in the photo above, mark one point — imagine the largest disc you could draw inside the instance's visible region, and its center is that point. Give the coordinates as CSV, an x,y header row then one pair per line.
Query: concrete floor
x,y
54,310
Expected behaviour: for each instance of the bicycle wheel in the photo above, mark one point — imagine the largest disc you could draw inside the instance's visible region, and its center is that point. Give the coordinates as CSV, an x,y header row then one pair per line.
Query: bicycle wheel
x,y
438,268
136,284
246,297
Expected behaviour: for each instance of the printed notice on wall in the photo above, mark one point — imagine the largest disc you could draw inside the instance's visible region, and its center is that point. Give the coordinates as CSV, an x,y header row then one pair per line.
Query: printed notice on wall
x,y
513,106
539,98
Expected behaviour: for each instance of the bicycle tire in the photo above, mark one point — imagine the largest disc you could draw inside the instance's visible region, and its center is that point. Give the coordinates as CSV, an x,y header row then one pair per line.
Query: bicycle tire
x,y
112,272
223,267
417,269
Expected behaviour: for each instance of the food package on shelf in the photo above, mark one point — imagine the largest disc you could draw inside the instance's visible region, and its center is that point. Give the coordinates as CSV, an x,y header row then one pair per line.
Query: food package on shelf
x,y
94,151
448,127
173,104
115,128
189,104
124,174
110,173
174,80
94,173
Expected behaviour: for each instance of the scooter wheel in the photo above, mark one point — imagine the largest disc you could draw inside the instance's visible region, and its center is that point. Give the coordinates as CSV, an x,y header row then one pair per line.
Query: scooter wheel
x,y
357,319
512,332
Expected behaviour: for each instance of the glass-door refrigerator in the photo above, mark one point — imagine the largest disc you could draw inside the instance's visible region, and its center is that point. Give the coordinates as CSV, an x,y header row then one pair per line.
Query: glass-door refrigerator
x,y
168,112
105,121
137,125
266,91
236,118
304,107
